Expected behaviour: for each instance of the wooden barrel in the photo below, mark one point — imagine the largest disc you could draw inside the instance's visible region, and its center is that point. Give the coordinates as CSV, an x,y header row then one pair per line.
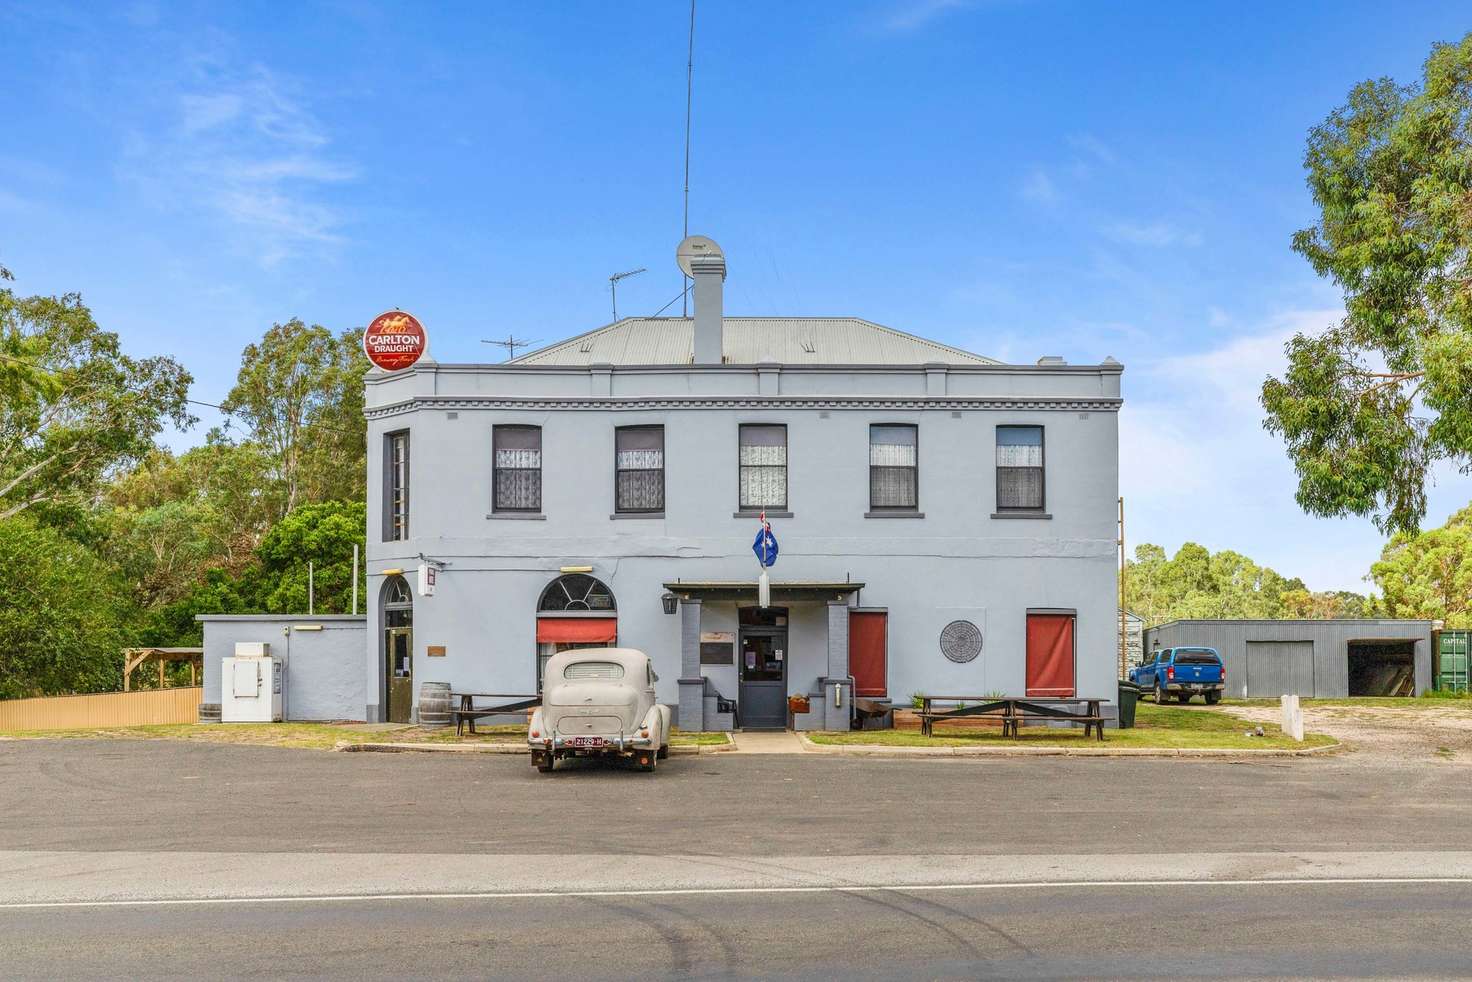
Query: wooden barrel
x,y
434,704
209,712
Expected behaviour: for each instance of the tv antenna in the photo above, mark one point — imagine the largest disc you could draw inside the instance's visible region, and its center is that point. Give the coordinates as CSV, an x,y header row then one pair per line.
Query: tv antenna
x,y
511,344
613,286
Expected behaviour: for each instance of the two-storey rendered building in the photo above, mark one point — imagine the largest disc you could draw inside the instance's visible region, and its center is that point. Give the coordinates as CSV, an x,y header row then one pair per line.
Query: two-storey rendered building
x,y
947,523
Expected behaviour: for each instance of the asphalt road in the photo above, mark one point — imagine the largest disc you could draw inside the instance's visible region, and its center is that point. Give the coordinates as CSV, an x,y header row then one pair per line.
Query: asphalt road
x,y
90,795
1278,931
170,859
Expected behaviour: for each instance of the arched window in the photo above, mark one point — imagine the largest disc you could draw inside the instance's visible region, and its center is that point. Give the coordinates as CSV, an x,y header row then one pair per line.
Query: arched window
x,y
576,591
398,603
396,592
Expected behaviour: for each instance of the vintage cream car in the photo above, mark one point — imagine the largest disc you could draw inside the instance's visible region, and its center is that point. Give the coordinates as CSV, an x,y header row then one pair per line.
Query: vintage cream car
x,y
599,702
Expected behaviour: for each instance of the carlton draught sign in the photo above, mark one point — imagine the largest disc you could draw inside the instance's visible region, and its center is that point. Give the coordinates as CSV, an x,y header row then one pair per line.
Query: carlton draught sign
x,y
394,340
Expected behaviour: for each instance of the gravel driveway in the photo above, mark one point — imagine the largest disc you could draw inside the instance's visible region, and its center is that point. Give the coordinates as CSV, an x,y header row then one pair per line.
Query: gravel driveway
x,y
1377,734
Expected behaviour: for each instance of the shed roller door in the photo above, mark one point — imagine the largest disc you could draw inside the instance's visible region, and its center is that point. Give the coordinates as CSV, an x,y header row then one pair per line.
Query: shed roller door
x,y
1278,668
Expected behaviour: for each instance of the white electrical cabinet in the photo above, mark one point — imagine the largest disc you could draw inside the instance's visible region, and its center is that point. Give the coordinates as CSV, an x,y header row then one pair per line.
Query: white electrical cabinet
x,y
250,685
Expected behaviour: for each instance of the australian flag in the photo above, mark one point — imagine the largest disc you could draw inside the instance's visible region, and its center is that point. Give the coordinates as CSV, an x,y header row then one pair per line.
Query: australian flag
x,y
765,545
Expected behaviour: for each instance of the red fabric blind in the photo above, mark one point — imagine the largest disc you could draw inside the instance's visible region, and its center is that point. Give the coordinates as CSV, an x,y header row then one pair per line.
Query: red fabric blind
x,y
1050,655
577,630
866,648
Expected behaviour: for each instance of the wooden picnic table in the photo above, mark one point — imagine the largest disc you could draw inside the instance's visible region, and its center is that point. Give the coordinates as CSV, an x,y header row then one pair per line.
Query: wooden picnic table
x,y
469,712
1014,710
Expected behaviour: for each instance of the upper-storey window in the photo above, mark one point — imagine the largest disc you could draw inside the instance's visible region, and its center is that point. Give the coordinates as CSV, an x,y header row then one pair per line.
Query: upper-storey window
x,y
517,469
763,466
396,487
1020,484
638,466
894,480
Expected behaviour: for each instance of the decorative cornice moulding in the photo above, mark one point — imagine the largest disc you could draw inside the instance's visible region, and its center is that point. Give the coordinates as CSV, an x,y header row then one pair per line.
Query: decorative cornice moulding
x,y
637,404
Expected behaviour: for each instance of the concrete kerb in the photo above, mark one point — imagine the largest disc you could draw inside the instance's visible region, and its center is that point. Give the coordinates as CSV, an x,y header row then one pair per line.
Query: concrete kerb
x,y
874,750
878,750
347,746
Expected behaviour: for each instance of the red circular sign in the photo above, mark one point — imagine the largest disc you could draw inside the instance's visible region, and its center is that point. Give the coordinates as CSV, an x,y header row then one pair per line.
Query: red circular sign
x,y
394,340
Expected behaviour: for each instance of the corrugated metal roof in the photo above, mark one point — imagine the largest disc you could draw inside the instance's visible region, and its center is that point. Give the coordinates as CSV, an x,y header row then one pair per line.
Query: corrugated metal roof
x,y
749,340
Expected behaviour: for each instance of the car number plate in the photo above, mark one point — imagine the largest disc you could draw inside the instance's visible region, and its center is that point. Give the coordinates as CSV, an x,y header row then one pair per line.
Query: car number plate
x,y
586,741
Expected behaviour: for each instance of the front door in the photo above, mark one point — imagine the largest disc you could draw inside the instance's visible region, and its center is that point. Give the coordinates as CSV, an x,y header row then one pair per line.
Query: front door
x,y
399,646
762,701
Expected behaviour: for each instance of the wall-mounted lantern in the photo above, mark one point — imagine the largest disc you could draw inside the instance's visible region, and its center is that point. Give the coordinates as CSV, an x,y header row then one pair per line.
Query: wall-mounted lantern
x,y
671,603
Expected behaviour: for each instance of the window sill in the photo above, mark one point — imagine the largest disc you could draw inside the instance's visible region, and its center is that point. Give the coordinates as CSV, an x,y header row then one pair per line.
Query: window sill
x,y
758,514
516,516
894,514
1021,514
626,515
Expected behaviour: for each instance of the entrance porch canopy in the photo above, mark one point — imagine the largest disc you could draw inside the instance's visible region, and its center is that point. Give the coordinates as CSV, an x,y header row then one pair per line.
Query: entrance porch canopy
x,y
737,590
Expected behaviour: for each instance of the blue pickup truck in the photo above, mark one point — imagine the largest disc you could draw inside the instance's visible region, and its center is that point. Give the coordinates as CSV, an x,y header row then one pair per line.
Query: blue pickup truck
x,y
1183,673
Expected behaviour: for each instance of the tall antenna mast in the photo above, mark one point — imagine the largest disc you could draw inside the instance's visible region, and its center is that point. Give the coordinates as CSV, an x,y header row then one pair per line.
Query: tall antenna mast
x,y
613,286
689,88
511,344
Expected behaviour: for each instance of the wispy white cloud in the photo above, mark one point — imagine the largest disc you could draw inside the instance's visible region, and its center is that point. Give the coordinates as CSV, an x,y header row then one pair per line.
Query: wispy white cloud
x,y
1039,187
10,201
1093,147
911,15
1157,234
1197,465
240,142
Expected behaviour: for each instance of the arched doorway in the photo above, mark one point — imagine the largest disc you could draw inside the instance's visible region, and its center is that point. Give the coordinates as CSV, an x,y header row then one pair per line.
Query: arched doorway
x,y
398,651
574,611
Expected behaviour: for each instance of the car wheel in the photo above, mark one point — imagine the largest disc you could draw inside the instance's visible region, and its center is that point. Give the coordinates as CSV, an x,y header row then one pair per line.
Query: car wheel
x,y
543,762
1212,698
664,752
1160,696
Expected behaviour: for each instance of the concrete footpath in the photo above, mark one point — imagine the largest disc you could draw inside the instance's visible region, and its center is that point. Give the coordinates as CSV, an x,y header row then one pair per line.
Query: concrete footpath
x,y
45,877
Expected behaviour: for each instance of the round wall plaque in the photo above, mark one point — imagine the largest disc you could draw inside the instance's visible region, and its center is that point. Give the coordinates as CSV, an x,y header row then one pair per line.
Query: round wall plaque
x,y
960,641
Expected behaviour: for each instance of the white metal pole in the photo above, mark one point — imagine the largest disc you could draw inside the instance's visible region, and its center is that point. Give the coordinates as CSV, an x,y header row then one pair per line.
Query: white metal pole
x,y
310,609
355,578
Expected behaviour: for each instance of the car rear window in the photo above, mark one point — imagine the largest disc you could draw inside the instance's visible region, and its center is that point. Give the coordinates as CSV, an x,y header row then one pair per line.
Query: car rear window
x,y
593,670
1196,657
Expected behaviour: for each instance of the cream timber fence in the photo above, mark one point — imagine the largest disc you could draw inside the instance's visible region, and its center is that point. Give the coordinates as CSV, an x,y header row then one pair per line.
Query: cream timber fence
x,y
102,709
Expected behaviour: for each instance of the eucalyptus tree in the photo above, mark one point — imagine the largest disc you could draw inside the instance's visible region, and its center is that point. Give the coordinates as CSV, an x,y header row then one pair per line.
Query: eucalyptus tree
x,y
1368,405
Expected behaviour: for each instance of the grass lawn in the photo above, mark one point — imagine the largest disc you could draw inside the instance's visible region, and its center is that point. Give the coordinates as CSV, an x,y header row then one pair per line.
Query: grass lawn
x,y
1158,727
313,736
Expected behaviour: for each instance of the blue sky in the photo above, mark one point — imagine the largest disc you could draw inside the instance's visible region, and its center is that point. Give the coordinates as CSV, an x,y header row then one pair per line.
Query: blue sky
x,y
1017,178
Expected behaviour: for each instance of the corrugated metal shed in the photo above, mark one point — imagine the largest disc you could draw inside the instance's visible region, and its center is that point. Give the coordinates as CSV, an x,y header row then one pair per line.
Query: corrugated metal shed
x,y
750,340
1313,658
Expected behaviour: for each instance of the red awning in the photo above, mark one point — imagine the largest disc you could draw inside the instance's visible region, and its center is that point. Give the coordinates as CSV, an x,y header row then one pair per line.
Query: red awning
x,y
577,630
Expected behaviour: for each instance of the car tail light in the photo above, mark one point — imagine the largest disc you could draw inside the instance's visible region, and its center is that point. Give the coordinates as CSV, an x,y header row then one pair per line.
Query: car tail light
x,y
1170,673
535,734
643,733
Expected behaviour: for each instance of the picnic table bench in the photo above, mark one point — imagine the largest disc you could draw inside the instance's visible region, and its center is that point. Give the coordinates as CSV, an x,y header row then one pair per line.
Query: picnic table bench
x,y
468,712
1014,710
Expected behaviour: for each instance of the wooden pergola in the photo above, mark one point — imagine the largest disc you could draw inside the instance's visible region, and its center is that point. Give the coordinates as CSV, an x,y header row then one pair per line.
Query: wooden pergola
x,y
134,657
